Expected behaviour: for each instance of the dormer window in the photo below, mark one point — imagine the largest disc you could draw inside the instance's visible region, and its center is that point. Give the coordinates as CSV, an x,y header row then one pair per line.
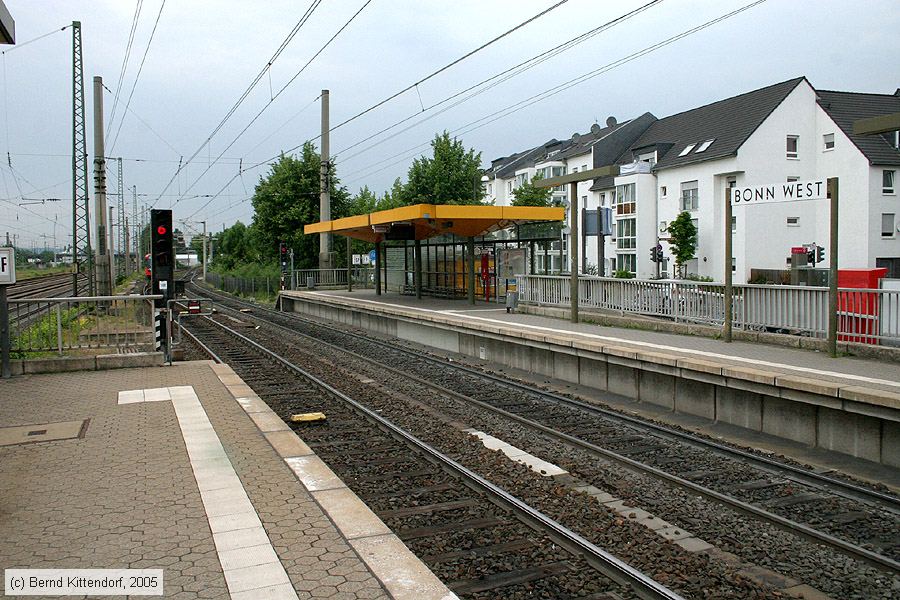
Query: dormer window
x,y
687,149
702,147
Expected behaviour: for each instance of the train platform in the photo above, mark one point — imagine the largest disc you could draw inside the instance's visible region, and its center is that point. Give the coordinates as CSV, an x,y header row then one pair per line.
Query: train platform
x,y
873,372
185,469
848,406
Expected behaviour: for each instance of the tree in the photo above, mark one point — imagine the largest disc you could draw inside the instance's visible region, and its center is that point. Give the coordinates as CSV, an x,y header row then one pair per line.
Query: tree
x,y
531,195
682,239
451,176
287,199
233,247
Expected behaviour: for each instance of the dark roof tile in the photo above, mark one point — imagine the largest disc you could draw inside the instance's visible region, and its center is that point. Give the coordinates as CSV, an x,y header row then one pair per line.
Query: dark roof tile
x,y
846,107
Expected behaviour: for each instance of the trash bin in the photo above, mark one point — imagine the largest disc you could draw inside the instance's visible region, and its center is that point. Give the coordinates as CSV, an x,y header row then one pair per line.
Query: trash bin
x,y
512,301
310,283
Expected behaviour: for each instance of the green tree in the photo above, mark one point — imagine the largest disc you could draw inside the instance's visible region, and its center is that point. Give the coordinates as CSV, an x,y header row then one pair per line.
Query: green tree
x,y
531,195
286,199
451,176
392,198
233,247
682,239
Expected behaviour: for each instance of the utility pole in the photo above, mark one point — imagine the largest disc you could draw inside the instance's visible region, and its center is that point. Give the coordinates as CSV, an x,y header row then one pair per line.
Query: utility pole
x,y
325,258
104,274
121,245
112,249
81,223
204,250
126,248
136,223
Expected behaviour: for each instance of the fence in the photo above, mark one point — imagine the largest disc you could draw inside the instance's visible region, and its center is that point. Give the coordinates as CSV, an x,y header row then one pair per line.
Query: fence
x,y
334,278
245,286
83,323
869,316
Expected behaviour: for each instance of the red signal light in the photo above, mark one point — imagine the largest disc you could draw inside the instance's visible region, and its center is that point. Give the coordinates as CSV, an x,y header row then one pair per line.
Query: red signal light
x,y
161,230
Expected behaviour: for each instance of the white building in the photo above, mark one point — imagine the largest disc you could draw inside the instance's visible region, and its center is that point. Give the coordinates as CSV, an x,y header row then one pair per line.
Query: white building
x,y
783,132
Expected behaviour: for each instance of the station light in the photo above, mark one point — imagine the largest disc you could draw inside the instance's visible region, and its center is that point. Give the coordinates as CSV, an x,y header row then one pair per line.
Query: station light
x,y
820,254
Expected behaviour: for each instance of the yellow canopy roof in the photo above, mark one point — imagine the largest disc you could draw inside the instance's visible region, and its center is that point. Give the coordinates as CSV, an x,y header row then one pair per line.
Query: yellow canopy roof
x,y
430,220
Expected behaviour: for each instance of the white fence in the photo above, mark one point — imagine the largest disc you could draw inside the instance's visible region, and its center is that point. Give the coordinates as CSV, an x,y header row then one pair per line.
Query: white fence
x,y
864,315
337,278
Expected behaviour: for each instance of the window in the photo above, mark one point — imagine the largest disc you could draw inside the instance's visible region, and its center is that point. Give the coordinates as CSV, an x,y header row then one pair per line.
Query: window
x,y
687,150
792,179
509,186
793,221
521,179
602,198
584,167
887,181
627,262
828,141
663,226
793,142
624,199
575,170
733,224
490,189
662,191
626,230
733,265
690,199
703,147
887,225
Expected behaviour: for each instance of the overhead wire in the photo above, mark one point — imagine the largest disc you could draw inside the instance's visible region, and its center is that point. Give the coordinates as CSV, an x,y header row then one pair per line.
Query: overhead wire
x,y
135,82
450,64
134,23
497,79
399,93
303,19
277,94
21,45
547,93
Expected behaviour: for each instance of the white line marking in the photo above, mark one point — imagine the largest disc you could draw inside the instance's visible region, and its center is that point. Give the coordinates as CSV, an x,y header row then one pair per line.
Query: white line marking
x,y
248,560
593,336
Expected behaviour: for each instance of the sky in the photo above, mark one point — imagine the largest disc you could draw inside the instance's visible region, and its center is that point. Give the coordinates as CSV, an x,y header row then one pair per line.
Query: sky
x,y
206,53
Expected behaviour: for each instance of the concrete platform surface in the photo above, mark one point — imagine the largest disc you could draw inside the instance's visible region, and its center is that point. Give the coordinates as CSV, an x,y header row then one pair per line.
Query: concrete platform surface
x,y
166,468
796,361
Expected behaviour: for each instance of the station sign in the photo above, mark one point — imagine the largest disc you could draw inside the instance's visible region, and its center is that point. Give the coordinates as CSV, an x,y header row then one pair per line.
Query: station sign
x,y
790,191
7,266
371,257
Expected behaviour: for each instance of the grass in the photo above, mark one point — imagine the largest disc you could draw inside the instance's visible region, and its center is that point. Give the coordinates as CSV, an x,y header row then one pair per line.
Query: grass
x,y
43,333
24,273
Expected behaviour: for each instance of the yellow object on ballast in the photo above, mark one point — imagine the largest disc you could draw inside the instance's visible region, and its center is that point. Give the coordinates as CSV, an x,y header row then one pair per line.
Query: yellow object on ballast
x,y
308,417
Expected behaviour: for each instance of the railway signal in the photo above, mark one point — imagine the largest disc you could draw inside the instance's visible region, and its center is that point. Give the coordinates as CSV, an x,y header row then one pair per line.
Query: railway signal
x,y
283,255
162,256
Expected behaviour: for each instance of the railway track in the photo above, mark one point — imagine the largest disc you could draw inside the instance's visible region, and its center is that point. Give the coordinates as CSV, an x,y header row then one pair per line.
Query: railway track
x,y
844,516
482,541
48,286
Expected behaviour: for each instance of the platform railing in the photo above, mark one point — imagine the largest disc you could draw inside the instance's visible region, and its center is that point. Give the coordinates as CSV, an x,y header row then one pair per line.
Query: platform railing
x,y
62,325
362,276
870,316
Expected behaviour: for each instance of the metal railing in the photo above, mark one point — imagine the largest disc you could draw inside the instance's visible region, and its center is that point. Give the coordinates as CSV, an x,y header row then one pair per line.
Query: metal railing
x,y
870,316
333,278
245,286
82,323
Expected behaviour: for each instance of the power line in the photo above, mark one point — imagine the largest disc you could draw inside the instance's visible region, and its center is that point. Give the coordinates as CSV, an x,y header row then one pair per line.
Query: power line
x,y
497,79
392,96
40,37
280,91
449,65
134,22
303,19
134,85
517,106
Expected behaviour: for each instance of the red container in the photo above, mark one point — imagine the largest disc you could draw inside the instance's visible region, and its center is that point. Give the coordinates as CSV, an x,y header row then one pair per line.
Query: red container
x,y
858,311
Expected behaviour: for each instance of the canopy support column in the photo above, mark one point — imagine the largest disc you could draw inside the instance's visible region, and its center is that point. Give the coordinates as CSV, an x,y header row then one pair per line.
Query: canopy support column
x,y
470,264
417,268
378,254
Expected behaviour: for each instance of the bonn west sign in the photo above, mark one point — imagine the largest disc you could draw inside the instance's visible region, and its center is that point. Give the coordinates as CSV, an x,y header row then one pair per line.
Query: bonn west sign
x,y
779,192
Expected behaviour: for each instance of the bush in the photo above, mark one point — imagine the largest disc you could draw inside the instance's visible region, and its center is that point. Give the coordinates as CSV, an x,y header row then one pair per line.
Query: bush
x,y
695,277
623,274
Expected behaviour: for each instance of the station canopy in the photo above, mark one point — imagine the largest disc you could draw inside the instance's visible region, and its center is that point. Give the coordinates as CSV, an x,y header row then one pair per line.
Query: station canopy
x,y
423,221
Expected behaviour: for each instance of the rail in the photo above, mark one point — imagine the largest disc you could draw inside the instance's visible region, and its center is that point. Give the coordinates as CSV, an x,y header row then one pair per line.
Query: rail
x,y
83,323
868,316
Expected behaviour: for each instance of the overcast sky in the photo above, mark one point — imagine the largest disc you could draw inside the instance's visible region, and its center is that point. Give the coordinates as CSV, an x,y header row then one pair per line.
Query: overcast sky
x,y
206,52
